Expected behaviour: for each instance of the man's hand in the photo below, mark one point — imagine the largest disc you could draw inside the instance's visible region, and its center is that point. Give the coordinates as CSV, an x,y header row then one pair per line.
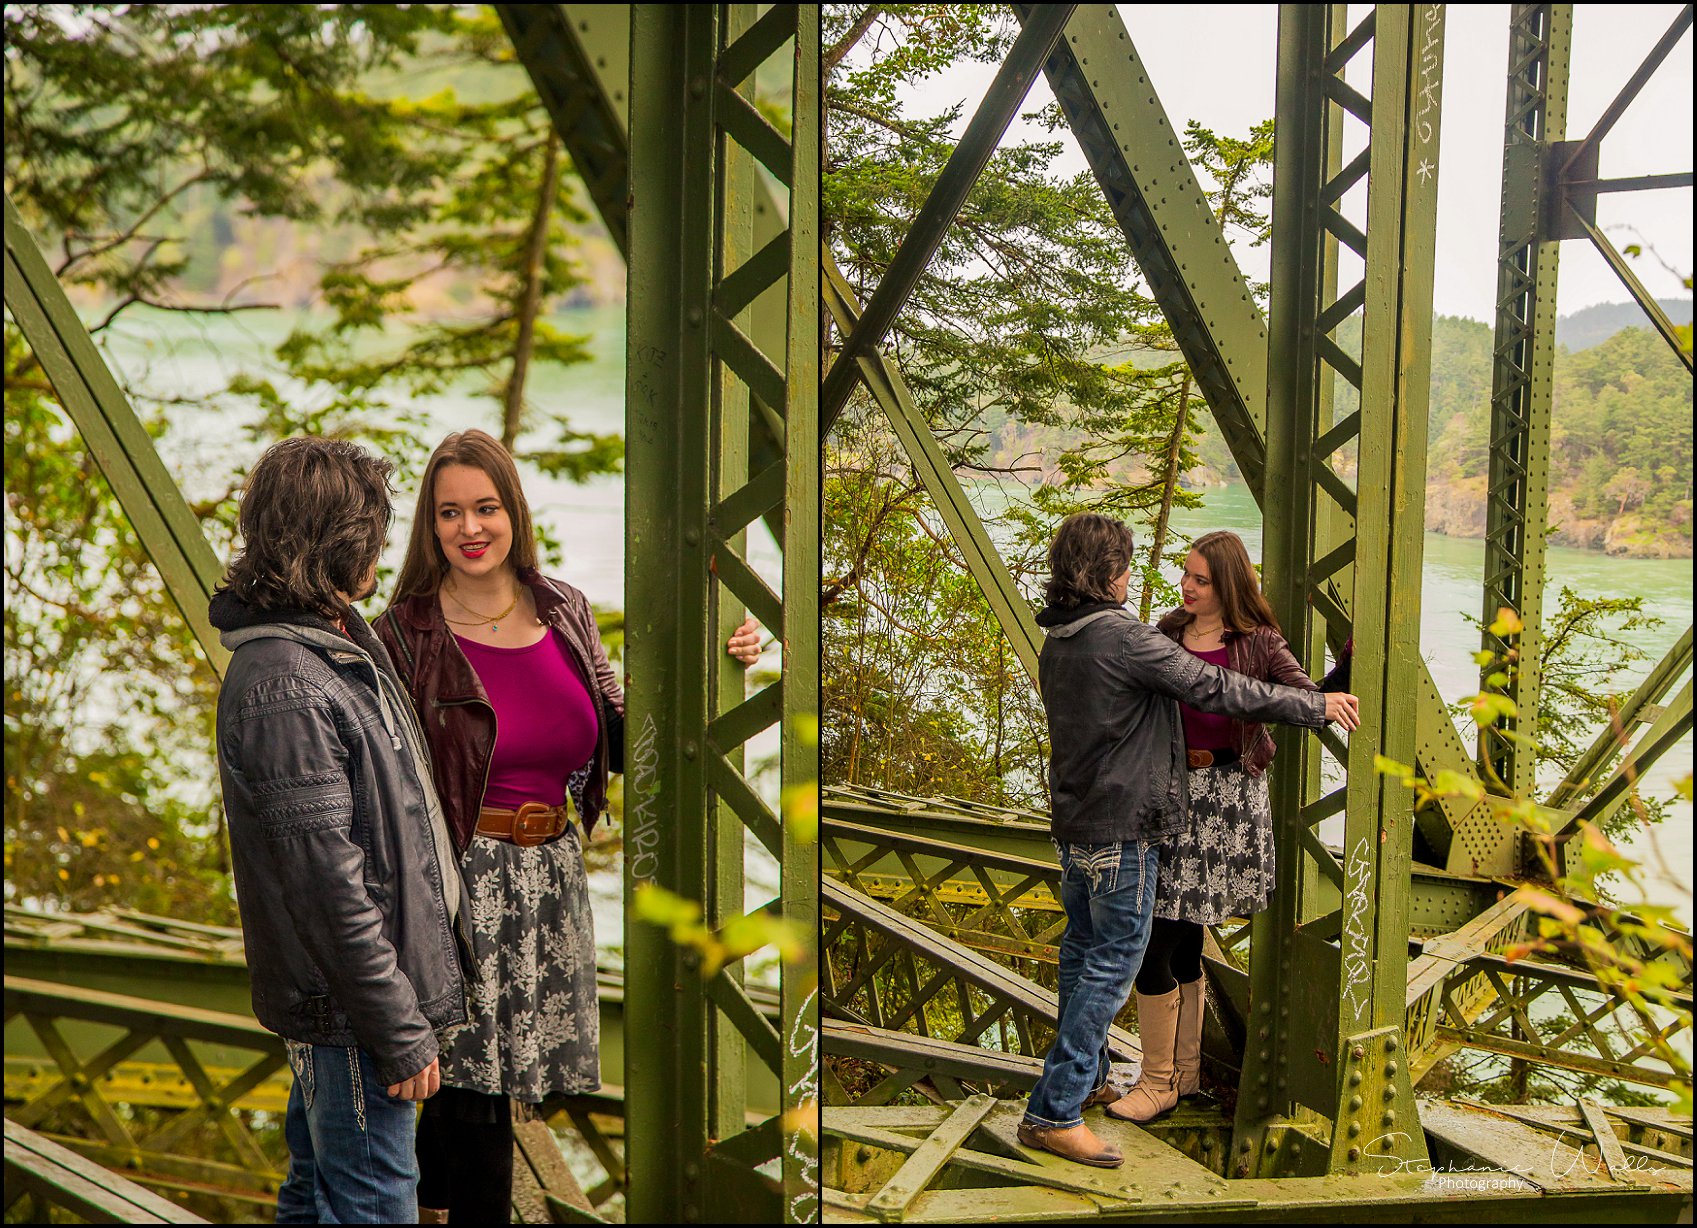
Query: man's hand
x,y
744,643
1344,709
421,1086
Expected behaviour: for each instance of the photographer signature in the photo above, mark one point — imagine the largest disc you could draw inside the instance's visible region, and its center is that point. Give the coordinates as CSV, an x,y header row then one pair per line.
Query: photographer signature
x,y
1560,1165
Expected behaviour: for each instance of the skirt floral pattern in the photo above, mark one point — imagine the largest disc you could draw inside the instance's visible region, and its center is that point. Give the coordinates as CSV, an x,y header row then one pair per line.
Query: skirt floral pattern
x,y
535,1022
1221,865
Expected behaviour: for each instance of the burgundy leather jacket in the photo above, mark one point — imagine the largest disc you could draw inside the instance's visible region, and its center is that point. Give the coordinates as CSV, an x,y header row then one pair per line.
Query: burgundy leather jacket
x,y
1262,654
458,719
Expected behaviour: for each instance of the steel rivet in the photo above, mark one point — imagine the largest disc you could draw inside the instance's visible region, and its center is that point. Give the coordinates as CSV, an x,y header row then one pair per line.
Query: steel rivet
x,y
694,315
1358,1053
1390,1068
1389,1119
1390,1044
1265,1033
689,750
1355,1153
1355,1104
1355,1078
1354,1129
1261,1103
1390,1093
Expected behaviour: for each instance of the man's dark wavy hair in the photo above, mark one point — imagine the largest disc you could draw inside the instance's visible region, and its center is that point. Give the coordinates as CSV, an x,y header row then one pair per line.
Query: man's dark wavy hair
x,y
314,517
1089,553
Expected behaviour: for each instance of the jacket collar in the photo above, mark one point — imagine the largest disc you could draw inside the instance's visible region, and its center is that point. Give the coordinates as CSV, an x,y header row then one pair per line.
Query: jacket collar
x,y
1055,616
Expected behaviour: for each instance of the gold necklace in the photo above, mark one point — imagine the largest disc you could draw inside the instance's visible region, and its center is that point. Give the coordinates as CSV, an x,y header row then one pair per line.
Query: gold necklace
x,y
494,621
1196,634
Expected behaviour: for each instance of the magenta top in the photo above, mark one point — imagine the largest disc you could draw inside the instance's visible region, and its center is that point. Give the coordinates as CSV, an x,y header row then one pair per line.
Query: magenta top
x,y
545,726
1203,730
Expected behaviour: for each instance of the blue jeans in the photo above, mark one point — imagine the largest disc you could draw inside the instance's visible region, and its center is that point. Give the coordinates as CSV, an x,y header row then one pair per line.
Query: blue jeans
x,y
1108,891
351,1155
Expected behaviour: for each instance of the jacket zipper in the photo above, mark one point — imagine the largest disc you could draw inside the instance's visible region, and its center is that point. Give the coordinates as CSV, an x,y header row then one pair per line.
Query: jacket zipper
x,y
395,739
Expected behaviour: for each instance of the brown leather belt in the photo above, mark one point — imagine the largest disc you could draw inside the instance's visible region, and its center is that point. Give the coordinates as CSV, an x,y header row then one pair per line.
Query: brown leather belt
x,y
531,824
1210,758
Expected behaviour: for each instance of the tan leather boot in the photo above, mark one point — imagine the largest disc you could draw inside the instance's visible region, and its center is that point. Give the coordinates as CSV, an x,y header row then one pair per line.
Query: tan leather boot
x,y
1187,1045
1106,1094
1154,1092
1076,1143
429,1215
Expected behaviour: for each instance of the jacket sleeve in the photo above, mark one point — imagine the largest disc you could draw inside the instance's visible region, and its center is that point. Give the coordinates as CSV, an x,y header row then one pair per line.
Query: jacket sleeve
x,y
1282,665
399,657
296,769
612,694
1155,662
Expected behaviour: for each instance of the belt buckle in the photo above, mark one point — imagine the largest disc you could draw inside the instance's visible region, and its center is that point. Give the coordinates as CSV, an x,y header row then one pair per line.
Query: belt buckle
x,y
532,824
1200,758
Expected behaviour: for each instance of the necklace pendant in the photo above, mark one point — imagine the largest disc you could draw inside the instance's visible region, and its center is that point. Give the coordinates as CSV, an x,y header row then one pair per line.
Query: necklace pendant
x,y
494,626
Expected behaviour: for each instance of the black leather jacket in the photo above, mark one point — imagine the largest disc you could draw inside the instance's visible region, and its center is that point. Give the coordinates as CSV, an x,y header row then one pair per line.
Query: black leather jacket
x,y
1116,744
334,831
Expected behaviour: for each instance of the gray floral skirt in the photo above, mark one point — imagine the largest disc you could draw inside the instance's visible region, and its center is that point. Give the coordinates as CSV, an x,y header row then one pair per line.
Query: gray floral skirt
x,y
1221,865
535,1019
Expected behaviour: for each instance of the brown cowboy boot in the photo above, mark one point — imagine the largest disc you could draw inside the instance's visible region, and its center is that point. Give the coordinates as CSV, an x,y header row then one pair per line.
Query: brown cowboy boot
x,y
1106,1094
429,1215
1187,1045
1075,1143
1154,1092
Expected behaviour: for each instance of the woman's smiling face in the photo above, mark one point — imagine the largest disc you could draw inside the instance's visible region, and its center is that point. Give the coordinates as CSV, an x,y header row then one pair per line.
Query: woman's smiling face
x,y
473,528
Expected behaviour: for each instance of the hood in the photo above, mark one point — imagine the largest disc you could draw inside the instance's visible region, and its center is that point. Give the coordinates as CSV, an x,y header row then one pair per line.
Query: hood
x,y
1054,619
1063,623
239,623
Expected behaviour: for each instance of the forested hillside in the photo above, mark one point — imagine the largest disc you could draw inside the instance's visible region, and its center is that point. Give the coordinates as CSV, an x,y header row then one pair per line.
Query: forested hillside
x,y
1620,477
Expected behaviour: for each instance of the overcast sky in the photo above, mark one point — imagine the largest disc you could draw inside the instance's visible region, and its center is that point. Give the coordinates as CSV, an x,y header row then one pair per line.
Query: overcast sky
x,y
1215,63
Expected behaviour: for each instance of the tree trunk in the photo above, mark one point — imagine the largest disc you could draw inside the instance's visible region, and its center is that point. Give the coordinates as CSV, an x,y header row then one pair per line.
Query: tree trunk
x,y
531,301
1174,446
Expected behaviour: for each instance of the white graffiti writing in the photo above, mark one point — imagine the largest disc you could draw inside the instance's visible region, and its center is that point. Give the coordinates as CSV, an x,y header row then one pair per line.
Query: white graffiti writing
x,y
1431,72
642,810
802,1146
1356,922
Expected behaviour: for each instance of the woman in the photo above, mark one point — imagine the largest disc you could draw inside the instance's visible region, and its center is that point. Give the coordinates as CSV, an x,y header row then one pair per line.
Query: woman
x,y
1220,863
1118,785
522,711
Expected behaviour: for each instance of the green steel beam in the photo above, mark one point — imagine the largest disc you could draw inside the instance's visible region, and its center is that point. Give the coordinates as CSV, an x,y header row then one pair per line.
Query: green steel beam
x,y
1517,502
1350,998
114,436
1578,154
1617,733
576,58
1134,151
801,1060
696,384
1012,611
1009,88
1671,724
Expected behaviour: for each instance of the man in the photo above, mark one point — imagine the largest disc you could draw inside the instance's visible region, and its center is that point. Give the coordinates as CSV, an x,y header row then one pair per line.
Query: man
x,y
1117,781
351,900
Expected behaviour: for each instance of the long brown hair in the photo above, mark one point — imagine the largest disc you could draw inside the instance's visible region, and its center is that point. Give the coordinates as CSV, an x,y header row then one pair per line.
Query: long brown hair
x,y
314,515
1089,553
425,565
1242,605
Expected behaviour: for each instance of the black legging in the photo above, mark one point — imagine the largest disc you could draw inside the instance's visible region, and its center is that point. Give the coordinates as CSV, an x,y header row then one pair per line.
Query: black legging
x,y
465,1156
1174,956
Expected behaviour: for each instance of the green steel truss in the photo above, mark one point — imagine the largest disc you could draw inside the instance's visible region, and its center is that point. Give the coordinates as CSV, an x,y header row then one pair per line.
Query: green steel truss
x,y
699,387
1517,501
128,1033
1382,955
655,106
1340,990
